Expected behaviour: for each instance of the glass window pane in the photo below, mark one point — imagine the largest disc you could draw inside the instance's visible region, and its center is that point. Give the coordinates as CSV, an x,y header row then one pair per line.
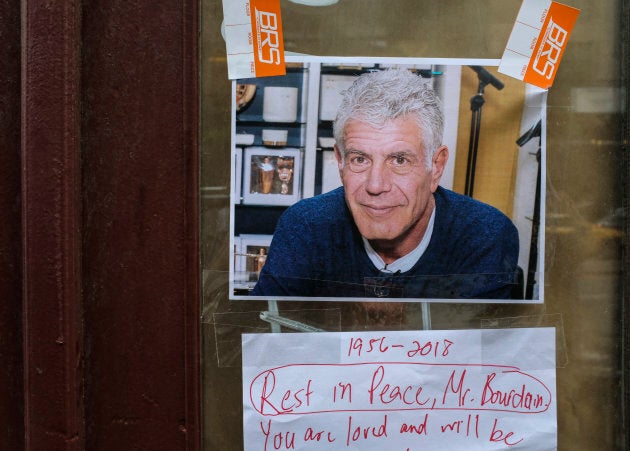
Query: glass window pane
x,y
585,216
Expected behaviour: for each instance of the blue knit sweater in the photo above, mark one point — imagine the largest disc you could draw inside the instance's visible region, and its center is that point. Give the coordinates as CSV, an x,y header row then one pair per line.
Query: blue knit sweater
x,y
317,251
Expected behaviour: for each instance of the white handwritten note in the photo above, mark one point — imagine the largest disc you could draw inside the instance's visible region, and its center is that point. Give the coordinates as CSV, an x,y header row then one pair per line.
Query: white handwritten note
x,y
412,390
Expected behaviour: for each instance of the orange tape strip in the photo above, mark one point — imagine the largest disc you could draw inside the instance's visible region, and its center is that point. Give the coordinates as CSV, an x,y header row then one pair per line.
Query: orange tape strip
x,y
267,38
552,41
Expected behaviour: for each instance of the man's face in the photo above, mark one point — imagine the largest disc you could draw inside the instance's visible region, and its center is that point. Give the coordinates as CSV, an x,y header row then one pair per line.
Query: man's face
x,y
389,188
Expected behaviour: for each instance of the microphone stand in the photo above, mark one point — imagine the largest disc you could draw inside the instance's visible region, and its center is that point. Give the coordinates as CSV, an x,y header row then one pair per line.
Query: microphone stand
x,y
534,132
476,103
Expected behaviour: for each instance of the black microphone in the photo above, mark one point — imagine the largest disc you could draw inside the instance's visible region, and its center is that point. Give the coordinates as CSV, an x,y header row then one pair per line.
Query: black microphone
x,y
487,78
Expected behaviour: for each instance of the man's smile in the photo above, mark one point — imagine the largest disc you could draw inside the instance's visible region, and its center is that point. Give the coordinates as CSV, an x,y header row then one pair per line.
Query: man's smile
x,y
378,210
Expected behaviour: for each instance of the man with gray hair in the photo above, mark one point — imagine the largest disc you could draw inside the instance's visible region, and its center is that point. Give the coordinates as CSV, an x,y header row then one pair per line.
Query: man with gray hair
x,y
391,230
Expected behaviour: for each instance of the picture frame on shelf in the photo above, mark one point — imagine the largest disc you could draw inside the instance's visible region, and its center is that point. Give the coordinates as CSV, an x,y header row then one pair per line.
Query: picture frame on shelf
x,y
271,176
250,252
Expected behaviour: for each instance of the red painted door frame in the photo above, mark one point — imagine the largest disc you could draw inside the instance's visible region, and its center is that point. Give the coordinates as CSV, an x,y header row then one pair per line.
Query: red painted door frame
x,y
109,225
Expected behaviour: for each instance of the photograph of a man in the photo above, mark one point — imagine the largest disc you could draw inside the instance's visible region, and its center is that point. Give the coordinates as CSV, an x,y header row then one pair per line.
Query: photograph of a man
x,y
391,230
